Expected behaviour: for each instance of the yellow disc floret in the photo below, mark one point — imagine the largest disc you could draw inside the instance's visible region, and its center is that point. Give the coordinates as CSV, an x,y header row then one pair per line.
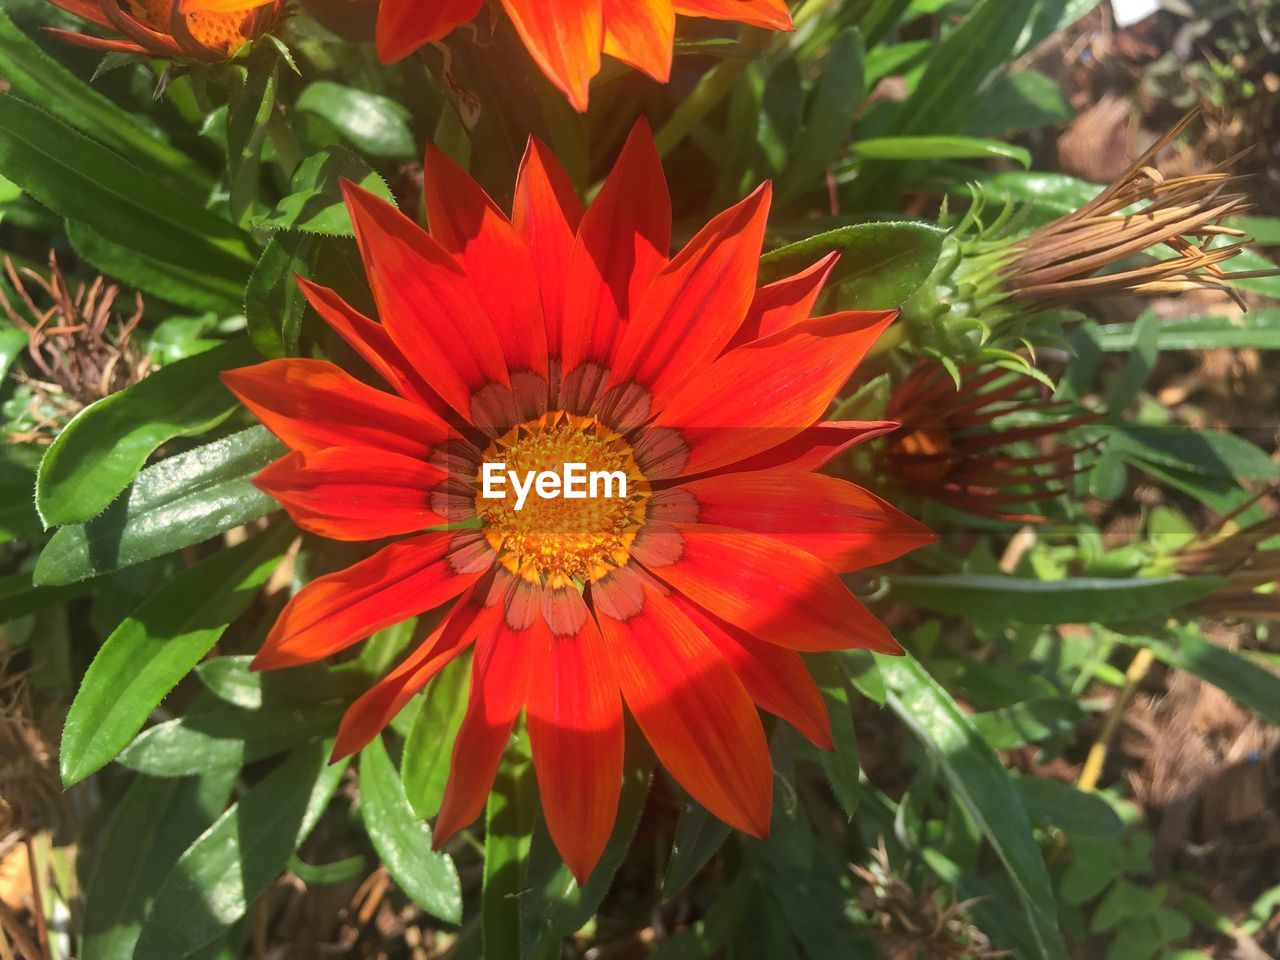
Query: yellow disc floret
x,y
558,540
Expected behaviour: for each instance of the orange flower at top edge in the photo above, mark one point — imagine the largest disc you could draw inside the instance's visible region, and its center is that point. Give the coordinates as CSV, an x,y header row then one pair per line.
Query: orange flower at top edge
x,y
686,588
161,28
565,37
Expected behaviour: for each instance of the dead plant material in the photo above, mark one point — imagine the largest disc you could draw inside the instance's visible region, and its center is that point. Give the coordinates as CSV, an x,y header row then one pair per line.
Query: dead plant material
x,y
78,349
917,926
1063,261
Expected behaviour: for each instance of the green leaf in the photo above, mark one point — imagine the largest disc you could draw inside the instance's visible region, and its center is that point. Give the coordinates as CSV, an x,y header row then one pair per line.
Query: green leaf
x,y
509,819
315,204
403,839
216,737
554,906
12,340
1258,330
33,75
1049,602
881,264
1244,681
246,133
830,116
1137,368
100,451
176,503
1213,453
273,302
1061,805
1031,721
185,286
424,767
231,680
18,597
146,656
373,124
216,880
841,763
150,826
939,148
982,786
84,181
699,835
327,874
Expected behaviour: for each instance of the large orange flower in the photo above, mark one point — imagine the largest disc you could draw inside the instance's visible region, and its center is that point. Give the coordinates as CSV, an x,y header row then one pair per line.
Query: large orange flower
x,y
557,337
565,37
164,28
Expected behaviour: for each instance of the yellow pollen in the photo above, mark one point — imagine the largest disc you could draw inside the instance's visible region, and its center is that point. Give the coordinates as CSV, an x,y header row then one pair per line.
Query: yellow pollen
x,y
557,541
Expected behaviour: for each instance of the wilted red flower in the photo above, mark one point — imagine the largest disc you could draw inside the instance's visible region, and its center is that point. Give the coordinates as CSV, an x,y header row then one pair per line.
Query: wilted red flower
x,y
1239,554
562,336
165,28
565,37
950,450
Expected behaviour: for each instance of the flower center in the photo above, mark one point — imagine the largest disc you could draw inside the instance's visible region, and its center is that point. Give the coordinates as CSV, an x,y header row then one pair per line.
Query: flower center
x,y
561,539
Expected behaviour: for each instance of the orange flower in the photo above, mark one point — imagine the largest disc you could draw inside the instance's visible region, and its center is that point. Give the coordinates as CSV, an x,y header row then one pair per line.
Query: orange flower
x,y
560,336
565,37
161,28
949,450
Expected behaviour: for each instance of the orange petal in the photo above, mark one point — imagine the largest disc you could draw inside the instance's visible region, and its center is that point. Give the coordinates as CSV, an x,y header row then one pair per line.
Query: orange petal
x,y
575,732
470,226
786,302
354,494
696,303
622,244
770,14
641,33
694,710
366,718
312,405
499,679
427,302
564,37
764,393
777,679
771,590
546,214
406,25
371,340
335,611
843,525
815,447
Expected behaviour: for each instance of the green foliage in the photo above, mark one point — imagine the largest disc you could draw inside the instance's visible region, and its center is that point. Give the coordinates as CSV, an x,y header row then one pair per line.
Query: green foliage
x,y
141,568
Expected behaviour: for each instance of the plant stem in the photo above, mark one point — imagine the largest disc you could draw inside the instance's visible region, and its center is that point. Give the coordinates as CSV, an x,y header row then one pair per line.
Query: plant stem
x,y
1097,758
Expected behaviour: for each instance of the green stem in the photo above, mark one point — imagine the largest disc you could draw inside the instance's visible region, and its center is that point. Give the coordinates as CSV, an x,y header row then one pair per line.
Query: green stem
x,y
285,143
711,89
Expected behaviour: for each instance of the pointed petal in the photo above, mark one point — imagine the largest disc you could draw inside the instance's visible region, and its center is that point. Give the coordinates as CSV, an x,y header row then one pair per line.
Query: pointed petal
x,y
843,525
777,679
564,37
764,393
814,448
641,33
427,303
770,14
546,214
622,244
373,343
354,494
406,25
312,405
367,717
470,226
786,302
696,303
770,589
694,710
499,678
396,583
575,732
